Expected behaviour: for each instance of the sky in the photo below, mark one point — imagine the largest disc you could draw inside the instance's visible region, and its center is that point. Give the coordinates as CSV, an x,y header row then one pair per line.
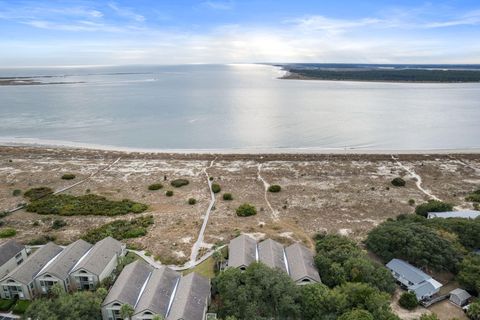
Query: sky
x,y
120,32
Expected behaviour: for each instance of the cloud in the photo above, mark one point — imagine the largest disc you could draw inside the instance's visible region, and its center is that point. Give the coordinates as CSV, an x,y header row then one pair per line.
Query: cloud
x,y
219,5
316,23
126,12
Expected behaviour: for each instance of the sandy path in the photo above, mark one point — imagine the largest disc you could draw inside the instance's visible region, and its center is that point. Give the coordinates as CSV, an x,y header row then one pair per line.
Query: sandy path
x,y
266,185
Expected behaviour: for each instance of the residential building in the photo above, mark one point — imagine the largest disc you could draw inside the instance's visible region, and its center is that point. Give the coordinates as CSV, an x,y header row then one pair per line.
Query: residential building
x,y
465,214
58,270
191,298
19,283
272,254
414,279
301,265
12,254
242,251
97,264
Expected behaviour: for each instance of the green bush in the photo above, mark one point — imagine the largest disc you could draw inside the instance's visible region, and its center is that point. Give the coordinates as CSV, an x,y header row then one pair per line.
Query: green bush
x,y
58,223
37,193
246,210
411,202
179,183
169,193
6,304
68,176
43,239
474,196
120,229
155,186
21,306
90,204
398,182
16,192
408,300
274,188
433,206
192,201
216,188
7,233
227,197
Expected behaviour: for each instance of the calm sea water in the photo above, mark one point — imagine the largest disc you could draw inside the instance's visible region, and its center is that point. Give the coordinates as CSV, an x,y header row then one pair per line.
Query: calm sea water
x,y
234,107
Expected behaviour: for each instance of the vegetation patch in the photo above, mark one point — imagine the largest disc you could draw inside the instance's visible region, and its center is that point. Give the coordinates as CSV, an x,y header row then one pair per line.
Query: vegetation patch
x,y
408,300
7,233
433,206
246,210
227,197
120,229
16,192
58,223
43,239
398,182
192,201
274,188
21,306
68,176
155,186
469,274
169,193
69,205
216,188
179,183
474,196
6,304
37,193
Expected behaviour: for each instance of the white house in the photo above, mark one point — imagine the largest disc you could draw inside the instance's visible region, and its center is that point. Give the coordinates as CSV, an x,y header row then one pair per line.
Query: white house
x,y
12,254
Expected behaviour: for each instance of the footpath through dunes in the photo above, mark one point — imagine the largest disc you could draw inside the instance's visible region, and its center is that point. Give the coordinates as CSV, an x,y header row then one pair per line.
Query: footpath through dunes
x,y
347,194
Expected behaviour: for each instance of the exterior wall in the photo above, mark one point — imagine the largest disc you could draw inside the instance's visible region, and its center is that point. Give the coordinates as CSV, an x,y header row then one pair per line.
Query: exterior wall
x,y
11,264
109,268
45,279
10,290
75,283
109,310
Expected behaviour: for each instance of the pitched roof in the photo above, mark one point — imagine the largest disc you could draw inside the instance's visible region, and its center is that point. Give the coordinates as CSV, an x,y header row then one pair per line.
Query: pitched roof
x,y
407,271
61,266
191,298
425,288
242,251
271,253
300,263
9,249
129,283
158,291
99,256
461,294
25,272
466,214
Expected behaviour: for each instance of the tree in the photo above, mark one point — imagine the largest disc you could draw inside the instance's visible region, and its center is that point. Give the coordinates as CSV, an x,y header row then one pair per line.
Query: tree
x,y
433,206
126,311
469,275
408,300
473,311
398,182
357,314
246,210
216,188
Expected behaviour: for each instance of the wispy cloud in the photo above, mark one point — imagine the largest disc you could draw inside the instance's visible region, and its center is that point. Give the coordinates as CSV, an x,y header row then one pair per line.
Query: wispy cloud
x,y
219,5
126,12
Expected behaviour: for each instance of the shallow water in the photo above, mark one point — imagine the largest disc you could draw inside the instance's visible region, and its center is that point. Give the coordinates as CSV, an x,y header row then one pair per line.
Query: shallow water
x,y
235,107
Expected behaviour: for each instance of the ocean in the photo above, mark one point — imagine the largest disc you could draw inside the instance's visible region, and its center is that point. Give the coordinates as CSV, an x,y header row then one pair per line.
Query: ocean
x,y
233,107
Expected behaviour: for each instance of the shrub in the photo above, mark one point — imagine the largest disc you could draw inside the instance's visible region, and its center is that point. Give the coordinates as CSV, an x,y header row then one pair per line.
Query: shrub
x,y
58,223
274,188
192,201
37,193
68,176
227,197
474,196
408,300
6,304
120,229
90,204
398,182
155,186
433,206
179,183
21,306
411,202
169,193
7,233
16,192
246,210
42,240
216,188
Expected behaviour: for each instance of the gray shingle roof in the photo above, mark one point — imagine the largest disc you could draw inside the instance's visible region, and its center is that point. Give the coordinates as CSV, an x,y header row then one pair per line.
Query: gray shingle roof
x,y
157,293
99,256
407,271
271,254
9,249
191,297
129,283
242,251
300,263
25,272
466,214
461,294
64,262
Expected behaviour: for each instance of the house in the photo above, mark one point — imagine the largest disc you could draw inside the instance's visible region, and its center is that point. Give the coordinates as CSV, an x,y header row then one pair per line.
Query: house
x,y
19,283
465,214
296,260
191,298
414,279
12,254
97,264
459,297
126,290
301,265
58,270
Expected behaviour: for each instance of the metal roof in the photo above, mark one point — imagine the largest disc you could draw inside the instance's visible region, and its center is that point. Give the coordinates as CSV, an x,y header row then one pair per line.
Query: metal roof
x,y
25,272
99,256
129,284
9,249
271,254
300,263
461,294
66,260
407,271
425,288
466,214
242,251
191,298
158,291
